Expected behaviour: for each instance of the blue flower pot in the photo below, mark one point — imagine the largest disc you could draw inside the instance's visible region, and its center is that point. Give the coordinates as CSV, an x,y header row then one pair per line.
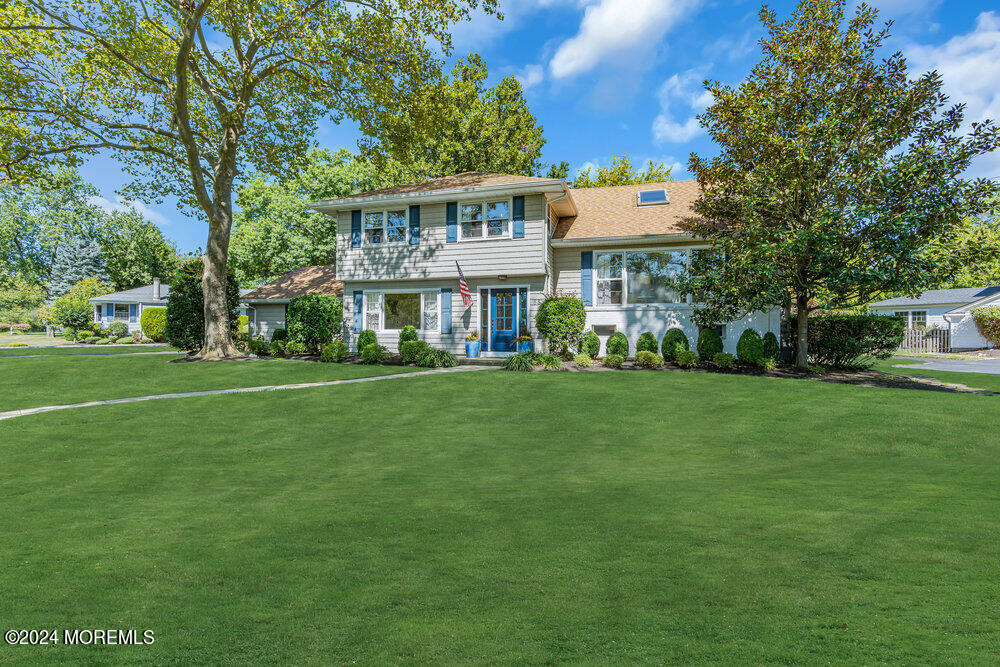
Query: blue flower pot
x,y
472,349
526,346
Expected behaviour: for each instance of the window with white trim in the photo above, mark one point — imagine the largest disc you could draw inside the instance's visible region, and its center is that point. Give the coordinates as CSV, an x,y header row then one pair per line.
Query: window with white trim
x,y
430,311
384,226
121,311
636,277
391,311
373,311
918,318
484,220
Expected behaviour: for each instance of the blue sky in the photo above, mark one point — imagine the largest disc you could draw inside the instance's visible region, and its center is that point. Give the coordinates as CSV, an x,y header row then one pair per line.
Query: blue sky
x,y
607,77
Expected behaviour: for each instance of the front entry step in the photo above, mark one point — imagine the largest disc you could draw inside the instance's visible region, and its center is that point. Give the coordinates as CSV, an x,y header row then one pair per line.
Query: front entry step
x,y
479,361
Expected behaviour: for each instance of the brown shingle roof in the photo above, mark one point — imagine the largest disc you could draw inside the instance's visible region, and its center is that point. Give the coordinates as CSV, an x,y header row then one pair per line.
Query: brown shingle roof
x,y
467,179
613,211
299,282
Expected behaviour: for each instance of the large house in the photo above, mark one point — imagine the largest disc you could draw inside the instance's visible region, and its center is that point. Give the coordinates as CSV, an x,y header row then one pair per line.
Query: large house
x,y
516,239
947,309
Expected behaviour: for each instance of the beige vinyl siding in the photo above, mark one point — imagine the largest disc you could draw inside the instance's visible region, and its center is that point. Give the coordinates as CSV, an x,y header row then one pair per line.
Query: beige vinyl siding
x,y
266,318
464,320
435,258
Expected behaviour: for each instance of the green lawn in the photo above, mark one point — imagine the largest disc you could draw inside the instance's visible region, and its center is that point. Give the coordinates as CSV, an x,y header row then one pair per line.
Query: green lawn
x,y
89,349
912,366
55,380
33,338
499,517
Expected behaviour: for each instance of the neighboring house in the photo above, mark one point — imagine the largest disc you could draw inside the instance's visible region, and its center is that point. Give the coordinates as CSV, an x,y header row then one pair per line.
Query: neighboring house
x,y
516,238
127,305
268,304
949,309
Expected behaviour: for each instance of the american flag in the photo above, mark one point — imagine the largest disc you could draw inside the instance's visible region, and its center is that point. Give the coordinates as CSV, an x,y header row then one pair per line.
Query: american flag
x,y
463,287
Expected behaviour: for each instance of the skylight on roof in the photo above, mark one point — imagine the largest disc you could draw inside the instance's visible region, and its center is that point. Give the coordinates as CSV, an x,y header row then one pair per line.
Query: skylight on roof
x,y
653,197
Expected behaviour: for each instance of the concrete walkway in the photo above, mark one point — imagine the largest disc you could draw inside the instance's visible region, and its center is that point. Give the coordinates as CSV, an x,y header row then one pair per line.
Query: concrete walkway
x,y
240,390
989,366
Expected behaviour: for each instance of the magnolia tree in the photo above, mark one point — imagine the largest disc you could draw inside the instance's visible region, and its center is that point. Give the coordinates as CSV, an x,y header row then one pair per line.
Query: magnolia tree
x,y
836,172
190,94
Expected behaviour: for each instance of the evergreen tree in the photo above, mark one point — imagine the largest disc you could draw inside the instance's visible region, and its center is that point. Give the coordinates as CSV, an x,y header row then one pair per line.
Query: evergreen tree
x,y
186,306
76,259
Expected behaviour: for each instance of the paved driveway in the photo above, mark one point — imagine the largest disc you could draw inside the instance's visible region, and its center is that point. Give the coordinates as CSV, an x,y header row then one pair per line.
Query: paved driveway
x,y
991,366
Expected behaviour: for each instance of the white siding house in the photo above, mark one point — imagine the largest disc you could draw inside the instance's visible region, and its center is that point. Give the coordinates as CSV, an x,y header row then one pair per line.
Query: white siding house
x,y
948,309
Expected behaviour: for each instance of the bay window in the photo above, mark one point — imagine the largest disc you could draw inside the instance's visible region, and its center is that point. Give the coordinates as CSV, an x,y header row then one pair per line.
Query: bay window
x,y
391,311
487,219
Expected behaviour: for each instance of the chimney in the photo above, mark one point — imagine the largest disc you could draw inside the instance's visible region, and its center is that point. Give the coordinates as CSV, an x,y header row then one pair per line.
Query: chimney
x,y
156,288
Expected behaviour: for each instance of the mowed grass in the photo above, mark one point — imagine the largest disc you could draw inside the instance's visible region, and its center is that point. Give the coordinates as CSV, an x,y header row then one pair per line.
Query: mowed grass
x,y
58,380
988,381
76,350
500,517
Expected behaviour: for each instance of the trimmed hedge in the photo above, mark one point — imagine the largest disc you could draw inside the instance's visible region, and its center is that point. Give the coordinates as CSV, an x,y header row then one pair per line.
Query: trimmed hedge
x,y
772,349
709,343
617,344
366,338
671,339
407,334
314,319
560,319
750,348
852,341
647,343
153,323
590,344
987,319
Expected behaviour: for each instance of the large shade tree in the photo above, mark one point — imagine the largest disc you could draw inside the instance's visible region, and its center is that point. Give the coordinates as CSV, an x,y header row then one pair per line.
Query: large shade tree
x,y
190,94
619,171
836,172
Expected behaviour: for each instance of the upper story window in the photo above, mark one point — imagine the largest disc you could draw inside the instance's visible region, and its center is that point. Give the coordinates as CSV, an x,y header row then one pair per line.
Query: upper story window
x,y
385,226
484,220
635,277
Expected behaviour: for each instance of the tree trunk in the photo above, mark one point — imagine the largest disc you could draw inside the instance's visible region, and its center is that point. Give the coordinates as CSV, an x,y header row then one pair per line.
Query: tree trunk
x,y
218,334
802,331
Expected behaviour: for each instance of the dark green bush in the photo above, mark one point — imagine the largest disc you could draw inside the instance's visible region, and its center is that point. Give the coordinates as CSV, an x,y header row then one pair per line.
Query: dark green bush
x,y
366,338
153,323
590,344
750,348
709,343
686,359
373,353
276,348
617,344
314,319
671,339
117,330
614,360
852,341
257,346
519,362
279,334
334,352
406,334
724,361
185,327
560,319
772,349
293,347
647,343
411,350
647,359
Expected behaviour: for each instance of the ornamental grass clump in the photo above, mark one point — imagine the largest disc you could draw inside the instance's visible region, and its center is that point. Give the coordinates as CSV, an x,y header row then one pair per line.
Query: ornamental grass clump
x,y
647,343
519,362
671,339
432,358
647,359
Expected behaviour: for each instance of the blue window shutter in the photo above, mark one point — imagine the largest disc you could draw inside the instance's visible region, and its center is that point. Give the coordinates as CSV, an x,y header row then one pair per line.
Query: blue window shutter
x,y
355,229
518,217
446,309
109,310
451,220
133,309
414,225
484,317
587,278
359,305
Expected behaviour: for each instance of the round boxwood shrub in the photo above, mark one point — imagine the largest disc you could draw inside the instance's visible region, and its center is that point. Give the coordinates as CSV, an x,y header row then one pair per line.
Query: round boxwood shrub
x,y
709,343
334,352
153,323
522,362
373,353
772,349
590,344
314,319
280,334
614,360
647,359
674,337
724,361
560,319
617,344
366,338
406,334
117,330
750,348
411,350
647,343
583,359
686,359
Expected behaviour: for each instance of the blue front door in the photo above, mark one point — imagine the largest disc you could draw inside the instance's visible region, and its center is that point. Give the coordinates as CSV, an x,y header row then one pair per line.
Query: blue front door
x,y
503,319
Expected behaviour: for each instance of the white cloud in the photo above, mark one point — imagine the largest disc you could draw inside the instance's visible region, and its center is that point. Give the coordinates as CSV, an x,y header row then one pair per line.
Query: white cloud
x,y
613,30
483,29
120,204
968,67
530,76
681,91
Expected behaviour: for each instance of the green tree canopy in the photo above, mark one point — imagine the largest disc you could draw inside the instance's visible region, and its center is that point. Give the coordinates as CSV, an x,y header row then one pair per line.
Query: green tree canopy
x,y
72,308
621,172
188,95
135,250
78,258
836,171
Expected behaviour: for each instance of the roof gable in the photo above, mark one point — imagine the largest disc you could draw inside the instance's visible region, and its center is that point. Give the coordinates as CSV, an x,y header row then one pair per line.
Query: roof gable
x,y
299,282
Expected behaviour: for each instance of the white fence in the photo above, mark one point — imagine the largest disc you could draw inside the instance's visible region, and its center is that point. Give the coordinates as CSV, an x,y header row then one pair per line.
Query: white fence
x,y
926,340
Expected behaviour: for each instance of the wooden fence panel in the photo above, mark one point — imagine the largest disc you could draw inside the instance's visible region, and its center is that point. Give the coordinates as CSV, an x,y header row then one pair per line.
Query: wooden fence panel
x,y
926,340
